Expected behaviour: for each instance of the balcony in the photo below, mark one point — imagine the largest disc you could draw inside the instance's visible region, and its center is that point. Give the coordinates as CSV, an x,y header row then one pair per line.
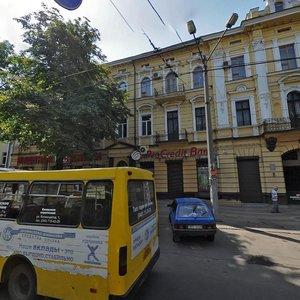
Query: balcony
x,y
162,97
171,137
279,124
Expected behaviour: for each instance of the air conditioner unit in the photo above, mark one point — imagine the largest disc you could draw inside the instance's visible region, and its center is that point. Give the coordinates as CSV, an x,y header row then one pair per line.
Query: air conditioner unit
x,y
144,149
156,75
226,64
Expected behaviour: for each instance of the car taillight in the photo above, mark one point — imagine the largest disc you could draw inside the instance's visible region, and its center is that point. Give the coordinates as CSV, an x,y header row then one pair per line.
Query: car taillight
x,y
123,261
180,226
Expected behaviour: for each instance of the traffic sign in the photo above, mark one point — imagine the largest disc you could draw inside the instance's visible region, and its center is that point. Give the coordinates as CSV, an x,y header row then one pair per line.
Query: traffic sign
x,y
69,4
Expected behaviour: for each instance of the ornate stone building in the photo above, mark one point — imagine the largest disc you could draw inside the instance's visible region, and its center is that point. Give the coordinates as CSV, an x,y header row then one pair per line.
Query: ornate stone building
x,y
254,87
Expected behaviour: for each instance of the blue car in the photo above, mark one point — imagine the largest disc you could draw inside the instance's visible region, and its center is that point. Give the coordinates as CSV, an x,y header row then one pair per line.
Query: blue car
x,y
191,217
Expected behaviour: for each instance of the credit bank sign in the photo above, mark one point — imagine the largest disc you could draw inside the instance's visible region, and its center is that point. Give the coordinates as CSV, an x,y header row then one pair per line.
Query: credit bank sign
x,y
176,154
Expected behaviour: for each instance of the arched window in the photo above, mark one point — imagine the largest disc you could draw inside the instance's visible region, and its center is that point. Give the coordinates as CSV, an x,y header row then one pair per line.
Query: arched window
x,y
122,163
171,83
146,87
293,101
279,6
198,78
123,86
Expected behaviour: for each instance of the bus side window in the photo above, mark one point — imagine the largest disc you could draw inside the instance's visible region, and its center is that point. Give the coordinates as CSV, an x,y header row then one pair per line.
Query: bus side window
x,y
11,199
97,208
53,203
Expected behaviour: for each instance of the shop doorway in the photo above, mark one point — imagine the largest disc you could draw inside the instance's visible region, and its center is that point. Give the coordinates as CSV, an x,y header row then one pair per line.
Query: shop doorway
x,y
175,179
249,179
291,169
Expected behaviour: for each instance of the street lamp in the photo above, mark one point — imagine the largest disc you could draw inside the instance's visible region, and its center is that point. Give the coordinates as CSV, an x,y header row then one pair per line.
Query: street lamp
x,y
209,133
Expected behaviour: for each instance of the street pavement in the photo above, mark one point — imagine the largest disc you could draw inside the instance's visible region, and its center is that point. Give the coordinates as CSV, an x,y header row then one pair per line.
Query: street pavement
x,y
256,255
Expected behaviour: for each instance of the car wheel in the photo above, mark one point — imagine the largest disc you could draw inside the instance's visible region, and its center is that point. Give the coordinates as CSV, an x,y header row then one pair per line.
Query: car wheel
x,y
22,283
176,238
211,237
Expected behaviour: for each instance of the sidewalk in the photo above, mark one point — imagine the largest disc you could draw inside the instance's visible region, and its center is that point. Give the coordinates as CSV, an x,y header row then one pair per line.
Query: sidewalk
x,y
258,215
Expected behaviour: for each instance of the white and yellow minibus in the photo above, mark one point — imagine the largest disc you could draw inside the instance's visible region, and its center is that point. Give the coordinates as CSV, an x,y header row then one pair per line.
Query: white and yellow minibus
x,y
77,234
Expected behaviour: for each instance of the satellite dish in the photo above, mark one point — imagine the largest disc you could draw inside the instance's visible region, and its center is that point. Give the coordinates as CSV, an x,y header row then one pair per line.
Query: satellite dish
x,y
69,4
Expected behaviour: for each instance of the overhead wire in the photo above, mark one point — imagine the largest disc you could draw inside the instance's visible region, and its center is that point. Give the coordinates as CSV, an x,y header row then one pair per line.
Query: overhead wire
x,y
157,50
121,15
156,12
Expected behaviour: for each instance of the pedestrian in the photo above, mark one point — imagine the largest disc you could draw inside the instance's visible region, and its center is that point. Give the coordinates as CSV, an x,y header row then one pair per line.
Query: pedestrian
x,y
274,195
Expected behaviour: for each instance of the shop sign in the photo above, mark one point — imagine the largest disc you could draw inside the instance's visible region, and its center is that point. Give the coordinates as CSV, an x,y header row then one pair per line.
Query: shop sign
x,y
136,155
36,159
295,197
80,158
179,153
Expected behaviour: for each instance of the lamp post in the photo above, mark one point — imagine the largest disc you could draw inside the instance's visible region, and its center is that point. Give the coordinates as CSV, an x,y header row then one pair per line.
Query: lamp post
x,y
209,133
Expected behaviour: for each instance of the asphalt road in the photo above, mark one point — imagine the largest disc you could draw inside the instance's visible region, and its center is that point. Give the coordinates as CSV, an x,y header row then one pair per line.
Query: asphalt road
x,y
255,255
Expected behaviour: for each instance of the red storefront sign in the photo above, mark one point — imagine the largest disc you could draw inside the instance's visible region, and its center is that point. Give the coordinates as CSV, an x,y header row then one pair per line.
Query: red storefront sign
x,y
80,157
180,153
36,159
39,159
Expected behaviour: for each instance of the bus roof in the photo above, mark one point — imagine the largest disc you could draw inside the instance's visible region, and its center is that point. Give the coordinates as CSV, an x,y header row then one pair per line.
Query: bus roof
x,y
76,174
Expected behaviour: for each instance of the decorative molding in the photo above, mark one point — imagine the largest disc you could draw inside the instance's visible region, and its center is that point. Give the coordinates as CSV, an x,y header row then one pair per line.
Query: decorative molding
x,y
271,143
258,45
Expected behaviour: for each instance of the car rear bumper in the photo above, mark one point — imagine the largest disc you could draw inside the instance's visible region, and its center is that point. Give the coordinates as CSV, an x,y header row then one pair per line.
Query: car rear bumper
x,y
193,232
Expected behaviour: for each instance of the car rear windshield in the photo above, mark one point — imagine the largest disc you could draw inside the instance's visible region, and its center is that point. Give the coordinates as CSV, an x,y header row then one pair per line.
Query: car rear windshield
x,y
192,211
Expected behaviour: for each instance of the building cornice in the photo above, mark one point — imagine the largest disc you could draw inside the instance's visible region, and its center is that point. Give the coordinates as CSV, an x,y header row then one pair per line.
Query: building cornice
x,y
245,24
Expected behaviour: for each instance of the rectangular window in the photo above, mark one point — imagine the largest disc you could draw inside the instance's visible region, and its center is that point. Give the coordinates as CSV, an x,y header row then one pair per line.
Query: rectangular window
x,y
238,67
122,129
243,113
173,125
288,57
200,118
278,6
146,125
4,158
98,203
11,197
202,175
53,204
141,200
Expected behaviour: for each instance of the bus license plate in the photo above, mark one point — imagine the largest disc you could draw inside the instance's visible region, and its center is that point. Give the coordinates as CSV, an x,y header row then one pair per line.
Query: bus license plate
x,y
195,227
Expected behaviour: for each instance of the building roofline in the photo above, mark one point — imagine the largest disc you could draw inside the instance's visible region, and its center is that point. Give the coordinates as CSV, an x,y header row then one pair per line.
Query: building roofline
x,y
205,38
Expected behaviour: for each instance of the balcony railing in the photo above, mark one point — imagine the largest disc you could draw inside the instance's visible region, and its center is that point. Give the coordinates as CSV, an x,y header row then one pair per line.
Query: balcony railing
x,y
280,124
276,124
170,137
161,92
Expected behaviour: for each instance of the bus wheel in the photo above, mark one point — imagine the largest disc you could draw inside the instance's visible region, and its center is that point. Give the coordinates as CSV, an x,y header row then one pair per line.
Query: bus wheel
x,y
22,283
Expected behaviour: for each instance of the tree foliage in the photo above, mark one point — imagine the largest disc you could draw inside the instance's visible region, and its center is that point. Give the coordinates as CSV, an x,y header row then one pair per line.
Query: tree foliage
x,y
57,94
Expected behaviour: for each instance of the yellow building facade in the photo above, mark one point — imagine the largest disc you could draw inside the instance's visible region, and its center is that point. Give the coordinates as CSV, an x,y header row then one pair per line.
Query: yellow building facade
x,y
254,88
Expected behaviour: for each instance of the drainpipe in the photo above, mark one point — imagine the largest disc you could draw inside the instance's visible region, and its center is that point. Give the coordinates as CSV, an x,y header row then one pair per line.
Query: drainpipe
x,y
8,155
134,103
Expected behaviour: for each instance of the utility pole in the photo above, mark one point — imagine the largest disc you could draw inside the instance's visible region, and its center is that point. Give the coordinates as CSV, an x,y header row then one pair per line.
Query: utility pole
x,y
212,169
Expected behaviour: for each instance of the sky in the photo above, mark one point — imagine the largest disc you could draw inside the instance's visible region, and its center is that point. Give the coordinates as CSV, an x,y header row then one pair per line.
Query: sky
x,y
119,39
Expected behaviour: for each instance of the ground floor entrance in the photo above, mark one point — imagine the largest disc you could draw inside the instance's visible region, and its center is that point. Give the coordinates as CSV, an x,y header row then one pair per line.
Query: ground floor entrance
x,y
175,179
249,179
291,168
